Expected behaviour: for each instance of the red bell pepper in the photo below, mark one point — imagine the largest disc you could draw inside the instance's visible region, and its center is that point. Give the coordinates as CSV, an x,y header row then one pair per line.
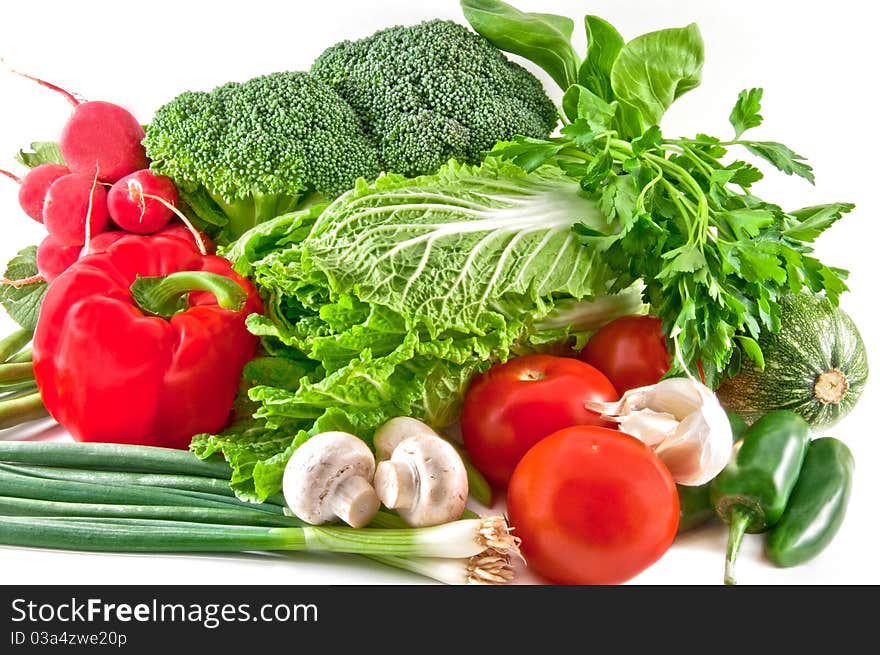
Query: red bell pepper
x,y
144,343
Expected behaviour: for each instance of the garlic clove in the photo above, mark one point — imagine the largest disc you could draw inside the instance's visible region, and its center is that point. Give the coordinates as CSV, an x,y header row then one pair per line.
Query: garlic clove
x,y
682,420
649,426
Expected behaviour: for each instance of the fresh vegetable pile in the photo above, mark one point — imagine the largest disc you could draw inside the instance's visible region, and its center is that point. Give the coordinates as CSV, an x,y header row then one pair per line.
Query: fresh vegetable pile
x,y
432,284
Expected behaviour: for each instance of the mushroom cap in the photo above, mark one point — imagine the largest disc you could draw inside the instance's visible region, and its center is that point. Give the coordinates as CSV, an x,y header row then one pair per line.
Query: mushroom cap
x,y
318,467
392,432
440,477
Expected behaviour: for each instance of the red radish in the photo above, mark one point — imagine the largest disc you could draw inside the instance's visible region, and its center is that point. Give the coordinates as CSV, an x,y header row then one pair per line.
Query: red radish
x,y
53,258
99,134
103,134
131,206
72,199
34,185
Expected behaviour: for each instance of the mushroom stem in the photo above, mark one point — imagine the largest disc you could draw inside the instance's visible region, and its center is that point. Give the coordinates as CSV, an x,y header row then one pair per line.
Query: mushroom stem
x,y
355,501
396,484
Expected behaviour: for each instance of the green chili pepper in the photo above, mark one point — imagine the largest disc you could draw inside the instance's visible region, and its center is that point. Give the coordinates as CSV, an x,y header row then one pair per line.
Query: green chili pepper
x,y
817,505
695,504
752,492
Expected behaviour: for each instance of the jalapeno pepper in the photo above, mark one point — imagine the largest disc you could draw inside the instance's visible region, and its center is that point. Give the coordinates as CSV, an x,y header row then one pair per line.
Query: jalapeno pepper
x,y
752,492
817,505
694,503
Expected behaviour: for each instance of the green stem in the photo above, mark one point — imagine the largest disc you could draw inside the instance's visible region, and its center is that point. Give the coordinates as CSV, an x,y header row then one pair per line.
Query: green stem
x,y
10,345
691,184
16,373
145,536
21,410
25,486
12,506
167,295
201,484
740,518
26,355
115,457
10,391
453,540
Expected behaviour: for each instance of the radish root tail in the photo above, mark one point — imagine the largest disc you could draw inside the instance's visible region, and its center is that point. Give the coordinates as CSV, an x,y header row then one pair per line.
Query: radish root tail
x,y
192,229
74,99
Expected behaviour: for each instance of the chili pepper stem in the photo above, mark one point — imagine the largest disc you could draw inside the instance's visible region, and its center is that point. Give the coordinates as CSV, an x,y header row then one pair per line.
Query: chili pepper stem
x,y
739,521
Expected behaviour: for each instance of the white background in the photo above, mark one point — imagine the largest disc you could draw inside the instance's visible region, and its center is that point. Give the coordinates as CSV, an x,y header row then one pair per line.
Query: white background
x,y
816,61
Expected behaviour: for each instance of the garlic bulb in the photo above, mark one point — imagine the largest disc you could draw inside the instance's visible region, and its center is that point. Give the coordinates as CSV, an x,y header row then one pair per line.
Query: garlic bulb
x,y
682,421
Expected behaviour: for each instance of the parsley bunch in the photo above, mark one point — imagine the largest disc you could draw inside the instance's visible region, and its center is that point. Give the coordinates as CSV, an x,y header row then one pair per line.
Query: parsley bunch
x,y
713,257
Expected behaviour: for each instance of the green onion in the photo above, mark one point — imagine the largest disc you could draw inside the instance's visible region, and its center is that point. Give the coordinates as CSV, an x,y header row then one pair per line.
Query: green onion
x,y
117,457
22,409
26,486
110,497
489,567
197,483
16,373
459,539
10,345
11,506
24,356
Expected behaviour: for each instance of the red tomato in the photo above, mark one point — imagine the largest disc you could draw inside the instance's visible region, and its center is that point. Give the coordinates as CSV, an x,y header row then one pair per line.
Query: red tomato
x,y
512,406
631,352
592,506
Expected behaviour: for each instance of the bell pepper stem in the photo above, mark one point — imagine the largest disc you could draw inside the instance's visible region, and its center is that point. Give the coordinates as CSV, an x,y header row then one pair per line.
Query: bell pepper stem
x,y
167,295
739,521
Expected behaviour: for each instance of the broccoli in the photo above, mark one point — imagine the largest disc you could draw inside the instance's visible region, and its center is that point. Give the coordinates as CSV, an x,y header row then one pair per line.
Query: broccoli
x,y
247,152
433,92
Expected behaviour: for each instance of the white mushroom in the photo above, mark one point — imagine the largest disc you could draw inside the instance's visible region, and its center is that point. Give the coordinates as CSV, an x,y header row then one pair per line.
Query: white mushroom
x,y
396,430
424,479
329,477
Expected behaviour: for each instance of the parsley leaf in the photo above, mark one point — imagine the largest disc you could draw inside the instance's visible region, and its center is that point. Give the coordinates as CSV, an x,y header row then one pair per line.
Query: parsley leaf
x,y
782,157
745,112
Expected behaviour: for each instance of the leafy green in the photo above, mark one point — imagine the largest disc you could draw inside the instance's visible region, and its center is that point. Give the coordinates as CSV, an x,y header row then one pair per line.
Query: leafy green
x,y
714,259
23,302
782,157
745,114
655,69
580,102
393,297
810,222
544,39
41,152
604,43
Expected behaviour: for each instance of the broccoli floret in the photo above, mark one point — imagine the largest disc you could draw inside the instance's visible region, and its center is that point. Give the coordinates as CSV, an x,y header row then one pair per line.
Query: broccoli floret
x,y
247,152
435,91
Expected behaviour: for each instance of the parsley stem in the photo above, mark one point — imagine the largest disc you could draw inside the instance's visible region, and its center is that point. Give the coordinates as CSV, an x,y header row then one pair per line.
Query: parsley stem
x,y
687,180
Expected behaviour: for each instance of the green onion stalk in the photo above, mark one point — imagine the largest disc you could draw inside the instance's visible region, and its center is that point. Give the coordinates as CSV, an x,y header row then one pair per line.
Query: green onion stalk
x,y
124,498
20,400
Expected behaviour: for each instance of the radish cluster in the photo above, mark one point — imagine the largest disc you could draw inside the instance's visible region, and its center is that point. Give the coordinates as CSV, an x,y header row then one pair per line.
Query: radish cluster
x,y
105,184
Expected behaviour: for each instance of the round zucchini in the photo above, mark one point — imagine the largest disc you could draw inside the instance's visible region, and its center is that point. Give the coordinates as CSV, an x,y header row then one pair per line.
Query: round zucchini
x,y
815,365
